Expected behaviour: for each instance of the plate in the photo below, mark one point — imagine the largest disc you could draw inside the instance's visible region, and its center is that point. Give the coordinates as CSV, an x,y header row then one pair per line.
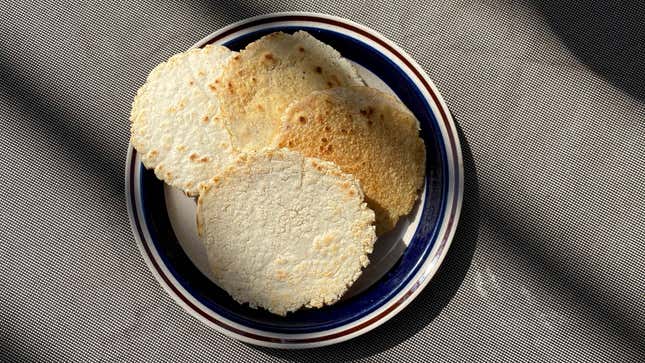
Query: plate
x,y
404,260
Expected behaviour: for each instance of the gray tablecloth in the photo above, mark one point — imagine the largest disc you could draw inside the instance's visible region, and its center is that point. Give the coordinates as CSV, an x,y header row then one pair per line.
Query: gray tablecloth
x,y
548,261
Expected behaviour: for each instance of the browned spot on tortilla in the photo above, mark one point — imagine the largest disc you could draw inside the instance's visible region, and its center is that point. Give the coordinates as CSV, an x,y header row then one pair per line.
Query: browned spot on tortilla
x,y
301,49
318,69
302,120
205,118
268,56
237,57
363,112
281,275
324,139
327,128
329,84
191,82
369,122
212,87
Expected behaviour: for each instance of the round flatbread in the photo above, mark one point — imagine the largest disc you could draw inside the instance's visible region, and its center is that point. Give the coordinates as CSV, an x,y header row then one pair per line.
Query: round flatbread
x,y
259,83
283,231
174,119
370,135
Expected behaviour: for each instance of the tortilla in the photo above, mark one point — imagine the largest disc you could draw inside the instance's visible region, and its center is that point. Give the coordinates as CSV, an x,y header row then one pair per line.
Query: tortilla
x,y
257,85
283,231
175,126
368,134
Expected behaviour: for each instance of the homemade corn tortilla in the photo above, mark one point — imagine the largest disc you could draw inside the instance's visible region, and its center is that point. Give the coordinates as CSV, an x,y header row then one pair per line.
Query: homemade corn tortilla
x,y
283,231
263,79
174,119
368,134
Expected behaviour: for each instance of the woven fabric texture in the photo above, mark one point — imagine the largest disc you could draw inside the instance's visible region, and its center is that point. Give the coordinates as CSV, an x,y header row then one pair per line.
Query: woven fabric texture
x,y
548,263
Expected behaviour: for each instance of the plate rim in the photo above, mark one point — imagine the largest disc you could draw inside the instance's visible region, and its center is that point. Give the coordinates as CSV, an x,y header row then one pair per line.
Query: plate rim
x,y
431,263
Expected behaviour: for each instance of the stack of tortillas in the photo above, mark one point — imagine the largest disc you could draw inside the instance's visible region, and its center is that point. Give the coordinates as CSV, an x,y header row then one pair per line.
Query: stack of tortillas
x,y
297,165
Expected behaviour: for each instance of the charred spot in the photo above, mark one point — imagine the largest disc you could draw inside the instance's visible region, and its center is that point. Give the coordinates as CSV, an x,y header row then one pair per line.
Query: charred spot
x,y
370,111
191,82
301,49
324,139
363,112
369,122
302,120
268,56
237,57
329,84
318,69
327,128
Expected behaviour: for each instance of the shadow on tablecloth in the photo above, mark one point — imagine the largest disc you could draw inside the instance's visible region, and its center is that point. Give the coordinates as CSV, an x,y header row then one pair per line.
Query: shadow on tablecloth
x,y
608,36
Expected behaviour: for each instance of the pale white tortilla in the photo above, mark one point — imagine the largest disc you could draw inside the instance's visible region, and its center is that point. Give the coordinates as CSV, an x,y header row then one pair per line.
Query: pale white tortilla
x,y
283,231
174,119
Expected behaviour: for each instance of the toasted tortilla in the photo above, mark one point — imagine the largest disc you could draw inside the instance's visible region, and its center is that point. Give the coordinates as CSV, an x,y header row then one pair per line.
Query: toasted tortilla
x,y
366,133
257,85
